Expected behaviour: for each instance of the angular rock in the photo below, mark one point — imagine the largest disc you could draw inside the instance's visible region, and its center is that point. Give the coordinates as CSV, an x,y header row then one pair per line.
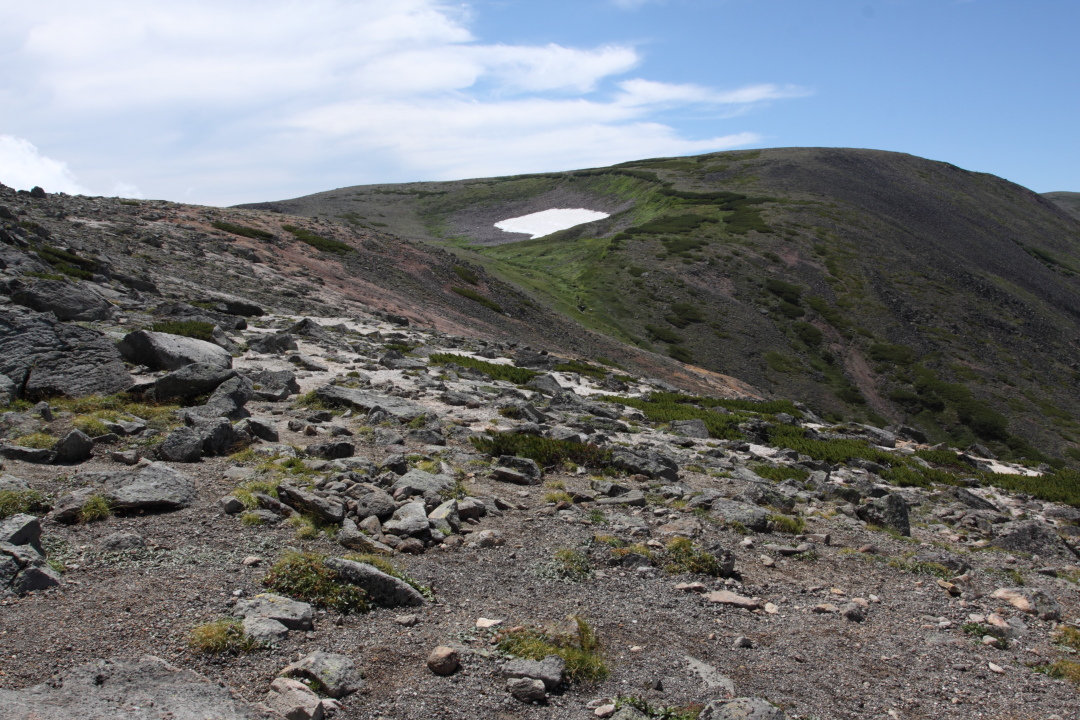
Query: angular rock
x,y
409,520
155,487
1030,600
304,501
726,597
265,630
276,344
45,357
648,463
1034,537
546,384
75,447
331,450
22,529
375,504
518,470
550,670
383,590
184,445
38,456
227,400
290,613
446,514
350,536
418,482
111,688
751,517
890,511
527,689
695,428
163,351
336,674
191,381
294,700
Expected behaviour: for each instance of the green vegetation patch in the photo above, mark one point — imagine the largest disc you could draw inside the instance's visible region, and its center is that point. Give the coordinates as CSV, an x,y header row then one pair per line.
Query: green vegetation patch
x,y
477,297
662,334
188,328
305,577
831,451
466,274
222,637
580,650
68,263
684,314
576,366
659,712
786,291
95,508
508,373
243,230
14,502
318,241
681,556
547,452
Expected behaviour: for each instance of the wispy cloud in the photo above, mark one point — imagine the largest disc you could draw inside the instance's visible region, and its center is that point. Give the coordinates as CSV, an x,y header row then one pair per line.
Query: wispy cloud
x,y
255,99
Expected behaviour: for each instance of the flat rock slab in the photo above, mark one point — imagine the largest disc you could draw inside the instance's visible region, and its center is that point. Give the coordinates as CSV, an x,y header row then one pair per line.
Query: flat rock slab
x,y
398,408
155,487
549,670
46,357
143,689
382,589
291,613
726,597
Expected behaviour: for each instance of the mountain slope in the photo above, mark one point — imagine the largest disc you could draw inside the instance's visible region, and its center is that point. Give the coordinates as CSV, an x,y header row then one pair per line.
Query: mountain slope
x,y
1067,201
865,283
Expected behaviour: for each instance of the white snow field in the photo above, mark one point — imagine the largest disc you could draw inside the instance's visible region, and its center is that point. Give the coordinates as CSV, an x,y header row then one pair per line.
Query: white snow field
x,y
543,223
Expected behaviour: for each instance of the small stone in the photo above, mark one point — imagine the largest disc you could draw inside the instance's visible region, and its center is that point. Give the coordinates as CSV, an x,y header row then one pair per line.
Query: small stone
x,y
742,642
691,587
825,608
604,711
336,674
484,623
994,668
251,561
726,597
265,630
527,689
771,608
443,660
853,612
407,620
767,561
230,505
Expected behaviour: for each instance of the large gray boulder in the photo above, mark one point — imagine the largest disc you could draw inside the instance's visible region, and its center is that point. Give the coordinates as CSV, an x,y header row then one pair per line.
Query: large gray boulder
x,y
191,381
66,300
419,482
228,400
113,688
21,529
749,516
1033,537
646,462
398,408
75,447
163,351
326,509
382,589
156,487
43,356
890,512
275,385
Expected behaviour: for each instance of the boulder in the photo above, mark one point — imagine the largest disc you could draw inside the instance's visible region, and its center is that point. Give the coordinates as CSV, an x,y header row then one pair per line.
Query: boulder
x,y
275,385
397,408
445,518
749,516
443,660
190,381
546,384
262,428
75,447
22,529
1034,537
648,463
239,307
66,300
375,504
45,357
293,700
890,511
418,482
528,690
304,501
335,674
163,351
690,428
265,630
183,445
228,400
409,520
23,569
331,450
111,688
275,344
156,487
383,590
521,471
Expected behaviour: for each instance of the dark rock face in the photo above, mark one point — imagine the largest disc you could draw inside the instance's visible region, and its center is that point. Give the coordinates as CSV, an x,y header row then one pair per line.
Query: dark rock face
x,y
191,381
162,351
46,357
65,300
890,511
1034,537
648,463
273,344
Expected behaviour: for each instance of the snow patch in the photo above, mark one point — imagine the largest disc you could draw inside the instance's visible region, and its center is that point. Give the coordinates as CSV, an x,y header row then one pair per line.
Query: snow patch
x,y
543,223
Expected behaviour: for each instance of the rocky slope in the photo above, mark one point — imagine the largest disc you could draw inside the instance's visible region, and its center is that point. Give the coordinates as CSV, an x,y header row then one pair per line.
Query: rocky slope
x,y
332,510
856,281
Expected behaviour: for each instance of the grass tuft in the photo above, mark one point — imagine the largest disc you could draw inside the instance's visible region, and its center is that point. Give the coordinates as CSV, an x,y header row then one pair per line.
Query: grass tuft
x,y
580,650
683,557
509,373
305,577
187,328
222,637
547,452
95,508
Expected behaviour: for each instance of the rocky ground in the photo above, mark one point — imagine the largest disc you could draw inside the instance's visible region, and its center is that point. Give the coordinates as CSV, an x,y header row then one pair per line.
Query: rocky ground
x,y
707,568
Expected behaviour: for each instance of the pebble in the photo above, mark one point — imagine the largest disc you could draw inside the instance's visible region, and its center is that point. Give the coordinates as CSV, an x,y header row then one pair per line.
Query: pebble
x,y
443,660
604,711
251,561
996,668
484,623
767,561
407,620
742,642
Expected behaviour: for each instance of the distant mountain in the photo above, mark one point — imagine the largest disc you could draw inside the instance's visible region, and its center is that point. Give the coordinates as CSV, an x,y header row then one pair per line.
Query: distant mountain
x,y
1067,201
869,284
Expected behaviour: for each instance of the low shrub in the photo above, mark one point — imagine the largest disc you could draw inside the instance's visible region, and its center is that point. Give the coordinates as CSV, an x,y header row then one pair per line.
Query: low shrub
x,y
508,373
787,524
570,565
547,452
477,297
187,328
318,241
222,637
305,577
37,440
242,230
466,274
681,556
663,334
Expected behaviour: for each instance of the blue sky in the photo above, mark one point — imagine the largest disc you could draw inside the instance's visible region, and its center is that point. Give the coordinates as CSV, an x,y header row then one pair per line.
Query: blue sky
x,y
221,103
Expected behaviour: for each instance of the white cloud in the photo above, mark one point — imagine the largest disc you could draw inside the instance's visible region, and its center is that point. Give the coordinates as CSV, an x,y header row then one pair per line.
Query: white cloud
x,y
22,167
257,99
